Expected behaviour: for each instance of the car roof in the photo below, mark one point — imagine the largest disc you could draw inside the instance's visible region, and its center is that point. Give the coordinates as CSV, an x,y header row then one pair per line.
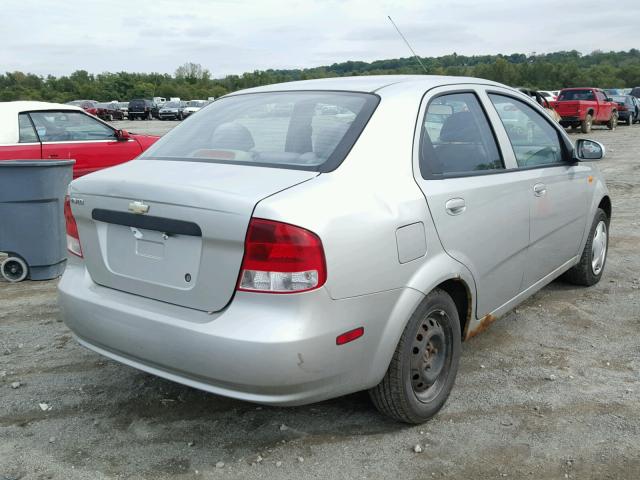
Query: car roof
x,y
9,116
366,83
581,88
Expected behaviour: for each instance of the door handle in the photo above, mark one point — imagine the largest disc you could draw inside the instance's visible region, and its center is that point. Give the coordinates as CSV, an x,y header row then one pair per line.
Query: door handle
x,y
539,189
455,206
53,155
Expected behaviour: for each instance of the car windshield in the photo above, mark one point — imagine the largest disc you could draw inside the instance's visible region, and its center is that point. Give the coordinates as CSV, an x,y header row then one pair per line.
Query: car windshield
x,y
195,103
577,95
303,130
172,105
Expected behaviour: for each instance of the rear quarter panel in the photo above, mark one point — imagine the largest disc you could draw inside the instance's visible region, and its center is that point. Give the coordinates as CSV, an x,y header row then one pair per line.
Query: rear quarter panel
x,y
21,151
357,210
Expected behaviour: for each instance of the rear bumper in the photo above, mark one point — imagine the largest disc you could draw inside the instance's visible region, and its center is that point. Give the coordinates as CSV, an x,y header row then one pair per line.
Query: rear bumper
x,y
271,349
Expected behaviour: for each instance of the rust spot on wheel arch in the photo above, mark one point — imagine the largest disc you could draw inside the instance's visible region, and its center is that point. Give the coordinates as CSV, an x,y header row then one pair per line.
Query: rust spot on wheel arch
x,y
484,323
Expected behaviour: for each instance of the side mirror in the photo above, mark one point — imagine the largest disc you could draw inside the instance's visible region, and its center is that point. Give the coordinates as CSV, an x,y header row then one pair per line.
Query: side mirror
x,y
588,150
122,135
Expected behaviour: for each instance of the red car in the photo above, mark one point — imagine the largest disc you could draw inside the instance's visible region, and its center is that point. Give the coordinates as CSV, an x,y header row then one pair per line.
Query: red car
x,y
89,106
38,130
584,107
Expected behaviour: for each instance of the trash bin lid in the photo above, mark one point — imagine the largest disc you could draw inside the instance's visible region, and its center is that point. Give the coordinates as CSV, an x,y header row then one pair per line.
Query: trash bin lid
x,y
35,163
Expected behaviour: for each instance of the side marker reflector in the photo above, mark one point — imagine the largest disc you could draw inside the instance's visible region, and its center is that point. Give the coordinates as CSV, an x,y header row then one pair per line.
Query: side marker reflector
x,y
349,336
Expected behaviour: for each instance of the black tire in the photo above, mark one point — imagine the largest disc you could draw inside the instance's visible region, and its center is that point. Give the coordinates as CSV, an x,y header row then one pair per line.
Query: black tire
x,y
631,120
14,269
431,339
585,125
584,273
149,116
613,121
110,118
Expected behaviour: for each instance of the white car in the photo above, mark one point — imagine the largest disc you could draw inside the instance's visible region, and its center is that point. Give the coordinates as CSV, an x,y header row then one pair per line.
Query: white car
x,y
550,95
193,106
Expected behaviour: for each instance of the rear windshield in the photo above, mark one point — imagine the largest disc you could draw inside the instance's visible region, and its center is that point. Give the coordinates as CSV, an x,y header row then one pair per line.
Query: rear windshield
x,y
577,95
301,130
620,99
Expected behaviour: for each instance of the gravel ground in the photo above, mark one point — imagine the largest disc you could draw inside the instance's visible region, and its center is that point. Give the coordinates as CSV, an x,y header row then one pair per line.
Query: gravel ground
x,y
149,127
551,391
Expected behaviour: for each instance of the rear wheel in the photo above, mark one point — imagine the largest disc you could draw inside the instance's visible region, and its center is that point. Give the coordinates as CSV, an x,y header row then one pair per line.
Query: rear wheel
x,y
585,125
424,366
631,120
594,256
149,116
14,269
613,121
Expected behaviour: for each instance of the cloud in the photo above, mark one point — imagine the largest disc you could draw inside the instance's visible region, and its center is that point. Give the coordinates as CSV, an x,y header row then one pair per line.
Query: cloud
x,y
234,36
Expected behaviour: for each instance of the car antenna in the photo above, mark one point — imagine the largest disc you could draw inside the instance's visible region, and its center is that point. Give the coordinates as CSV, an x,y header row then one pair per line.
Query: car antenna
x,y
408,45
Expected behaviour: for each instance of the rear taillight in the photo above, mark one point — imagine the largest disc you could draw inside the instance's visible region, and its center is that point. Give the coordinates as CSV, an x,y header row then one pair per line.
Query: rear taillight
x,y
73,238
281,258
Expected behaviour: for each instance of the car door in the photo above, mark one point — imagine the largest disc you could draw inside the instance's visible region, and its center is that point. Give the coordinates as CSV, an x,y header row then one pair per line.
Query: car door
x,y
27,146
604,107
480,210
557,187
90,142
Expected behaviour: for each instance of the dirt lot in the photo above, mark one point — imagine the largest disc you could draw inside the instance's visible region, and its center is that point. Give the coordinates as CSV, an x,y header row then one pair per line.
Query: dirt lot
x,y
551,391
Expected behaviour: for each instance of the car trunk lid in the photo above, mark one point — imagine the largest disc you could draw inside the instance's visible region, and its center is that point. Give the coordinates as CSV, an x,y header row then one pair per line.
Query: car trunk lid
x,y
172,231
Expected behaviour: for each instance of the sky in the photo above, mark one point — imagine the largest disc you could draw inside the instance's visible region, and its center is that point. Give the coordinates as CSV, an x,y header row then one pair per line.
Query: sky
x,y
236,36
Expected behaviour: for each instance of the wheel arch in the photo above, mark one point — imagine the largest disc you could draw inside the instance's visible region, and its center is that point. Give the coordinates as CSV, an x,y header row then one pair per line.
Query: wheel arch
x,y
605,204
461,295
442,272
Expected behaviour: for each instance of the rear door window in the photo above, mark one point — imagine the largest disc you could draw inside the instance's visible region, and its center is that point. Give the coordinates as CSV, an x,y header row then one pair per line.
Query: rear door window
x,y
70,126
27,132
457,138
535,142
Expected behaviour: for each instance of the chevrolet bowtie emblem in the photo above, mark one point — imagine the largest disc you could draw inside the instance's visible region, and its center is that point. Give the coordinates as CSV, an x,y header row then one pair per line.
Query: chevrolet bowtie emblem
x,y
138,207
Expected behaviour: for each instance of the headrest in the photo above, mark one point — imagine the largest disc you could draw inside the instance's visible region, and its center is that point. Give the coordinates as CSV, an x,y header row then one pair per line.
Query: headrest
x,y
232,136
460,127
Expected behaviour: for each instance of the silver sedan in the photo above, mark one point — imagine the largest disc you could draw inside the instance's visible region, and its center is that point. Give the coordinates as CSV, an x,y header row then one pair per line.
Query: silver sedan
x,y
302,241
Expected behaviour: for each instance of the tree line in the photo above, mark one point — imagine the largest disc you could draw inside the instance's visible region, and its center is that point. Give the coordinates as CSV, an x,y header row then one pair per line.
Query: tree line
x,y
549,71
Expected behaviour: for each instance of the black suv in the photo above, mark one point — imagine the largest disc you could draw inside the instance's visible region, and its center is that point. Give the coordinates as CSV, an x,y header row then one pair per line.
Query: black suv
x,y
143,109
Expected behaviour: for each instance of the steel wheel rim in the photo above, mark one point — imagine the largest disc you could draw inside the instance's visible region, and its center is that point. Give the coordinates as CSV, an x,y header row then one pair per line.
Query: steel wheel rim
x,y
431,351
599,248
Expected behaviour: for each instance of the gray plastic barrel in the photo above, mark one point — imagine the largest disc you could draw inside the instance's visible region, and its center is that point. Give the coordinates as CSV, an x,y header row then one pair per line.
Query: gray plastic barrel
x,y
32,225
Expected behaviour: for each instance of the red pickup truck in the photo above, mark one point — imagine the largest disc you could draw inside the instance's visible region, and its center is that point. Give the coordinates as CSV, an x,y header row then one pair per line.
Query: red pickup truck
x,y
584,107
